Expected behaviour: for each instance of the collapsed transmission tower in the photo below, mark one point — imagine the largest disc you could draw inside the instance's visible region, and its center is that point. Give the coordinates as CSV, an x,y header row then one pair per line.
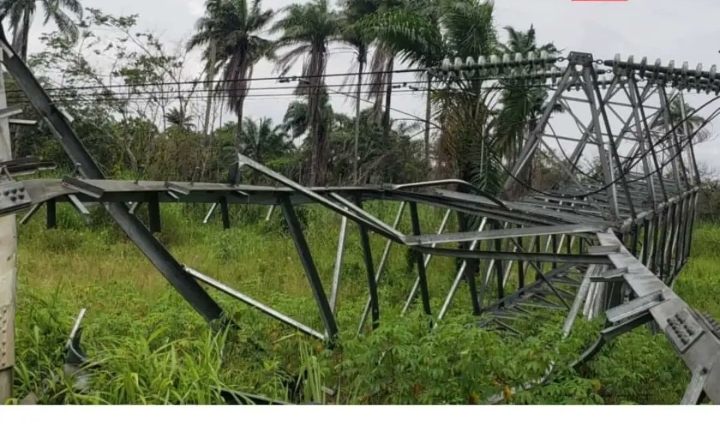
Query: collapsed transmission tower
x,y
610,243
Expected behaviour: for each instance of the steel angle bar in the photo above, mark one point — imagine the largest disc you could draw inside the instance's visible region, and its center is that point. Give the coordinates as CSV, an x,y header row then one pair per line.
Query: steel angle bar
x,y
569,75
254,304
134,207
83,187
504,234
338,265
611,141
580,298
270,212
506,255
26,219
463,207
521,212
694,343
420,260
79,207
381,267
360,218
365,215
50,214
458,279
686,131
369,269
482,195
308,264
210,213
136,231
426,262
511,300
543,276
457,202
637,101
516,210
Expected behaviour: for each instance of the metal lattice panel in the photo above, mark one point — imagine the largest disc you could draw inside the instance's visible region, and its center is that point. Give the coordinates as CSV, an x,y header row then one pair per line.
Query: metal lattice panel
x,y
613,243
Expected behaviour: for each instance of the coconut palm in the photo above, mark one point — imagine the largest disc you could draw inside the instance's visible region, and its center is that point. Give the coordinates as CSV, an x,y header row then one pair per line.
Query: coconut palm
x,y
353,34
460,28
263,140
307,29
177,117
20,14
675,120
523,101
229,34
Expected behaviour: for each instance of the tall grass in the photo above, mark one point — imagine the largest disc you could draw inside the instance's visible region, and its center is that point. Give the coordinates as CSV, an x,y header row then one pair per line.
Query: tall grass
x,y
149,347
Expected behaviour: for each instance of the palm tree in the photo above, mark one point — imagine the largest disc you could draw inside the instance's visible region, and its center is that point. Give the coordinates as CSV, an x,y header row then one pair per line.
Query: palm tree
x,y
21,14
308,29
264,141
296,122
178,118
673,121
353,34
474,115
382,66
522,101
229,33
424,36
675,115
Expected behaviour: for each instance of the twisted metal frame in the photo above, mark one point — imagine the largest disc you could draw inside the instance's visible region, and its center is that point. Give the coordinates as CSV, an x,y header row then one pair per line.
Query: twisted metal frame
x,y
612,244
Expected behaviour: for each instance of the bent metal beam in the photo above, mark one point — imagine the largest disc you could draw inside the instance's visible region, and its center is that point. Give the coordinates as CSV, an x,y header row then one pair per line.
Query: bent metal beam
x,y
589,245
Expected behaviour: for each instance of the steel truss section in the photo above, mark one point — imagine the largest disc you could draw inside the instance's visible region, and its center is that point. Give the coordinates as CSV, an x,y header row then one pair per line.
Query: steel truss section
x,y
610,243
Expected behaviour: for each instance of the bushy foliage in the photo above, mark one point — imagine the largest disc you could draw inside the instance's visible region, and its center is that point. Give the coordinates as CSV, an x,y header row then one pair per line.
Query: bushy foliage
x,y
149,347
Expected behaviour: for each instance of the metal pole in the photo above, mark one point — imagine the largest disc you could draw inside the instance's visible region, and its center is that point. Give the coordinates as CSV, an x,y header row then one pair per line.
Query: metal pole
x,y
8,268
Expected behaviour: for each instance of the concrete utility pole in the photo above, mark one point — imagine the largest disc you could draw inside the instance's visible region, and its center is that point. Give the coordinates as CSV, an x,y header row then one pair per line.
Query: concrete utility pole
x,y
8,266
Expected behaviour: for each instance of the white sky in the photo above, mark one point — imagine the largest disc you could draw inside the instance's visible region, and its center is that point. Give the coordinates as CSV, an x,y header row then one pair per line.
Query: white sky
x,y
680,30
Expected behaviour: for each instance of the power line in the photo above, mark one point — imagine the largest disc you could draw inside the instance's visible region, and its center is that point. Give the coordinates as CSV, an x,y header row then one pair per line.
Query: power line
x,y
282,79
625,172
237,80
195,95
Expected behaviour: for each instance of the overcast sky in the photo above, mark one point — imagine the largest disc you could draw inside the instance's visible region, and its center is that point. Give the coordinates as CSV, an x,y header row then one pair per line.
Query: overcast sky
x,y
680,30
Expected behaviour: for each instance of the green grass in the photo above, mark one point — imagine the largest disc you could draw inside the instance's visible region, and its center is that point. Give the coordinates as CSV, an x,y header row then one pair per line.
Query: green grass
x,y
152,348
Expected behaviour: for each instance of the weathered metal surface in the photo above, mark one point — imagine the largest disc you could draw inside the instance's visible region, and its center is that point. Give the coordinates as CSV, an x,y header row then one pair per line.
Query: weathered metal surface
x,y
613,244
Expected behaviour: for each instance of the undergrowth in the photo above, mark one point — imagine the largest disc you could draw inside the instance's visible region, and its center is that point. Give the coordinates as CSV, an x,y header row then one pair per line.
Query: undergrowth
x,y
148,346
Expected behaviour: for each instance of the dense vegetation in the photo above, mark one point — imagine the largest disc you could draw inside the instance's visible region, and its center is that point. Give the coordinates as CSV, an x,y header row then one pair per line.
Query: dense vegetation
x,y
152,348
144,118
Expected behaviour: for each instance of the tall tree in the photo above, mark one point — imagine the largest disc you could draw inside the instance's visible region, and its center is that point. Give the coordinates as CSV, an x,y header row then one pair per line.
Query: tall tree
x,y
522,100
20,14
230,34
264,141
355,35
675,115
178,117
308,29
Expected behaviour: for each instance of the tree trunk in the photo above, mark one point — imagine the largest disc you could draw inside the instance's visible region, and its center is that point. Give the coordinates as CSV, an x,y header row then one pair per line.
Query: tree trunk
x,y
428,113
211,76
238,137
356,154
388,98
21,36
465,224
239,128
318,160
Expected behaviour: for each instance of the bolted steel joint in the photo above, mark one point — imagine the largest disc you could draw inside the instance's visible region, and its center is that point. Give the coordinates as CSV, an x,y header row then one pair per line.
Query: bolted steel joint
x,y
579,58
